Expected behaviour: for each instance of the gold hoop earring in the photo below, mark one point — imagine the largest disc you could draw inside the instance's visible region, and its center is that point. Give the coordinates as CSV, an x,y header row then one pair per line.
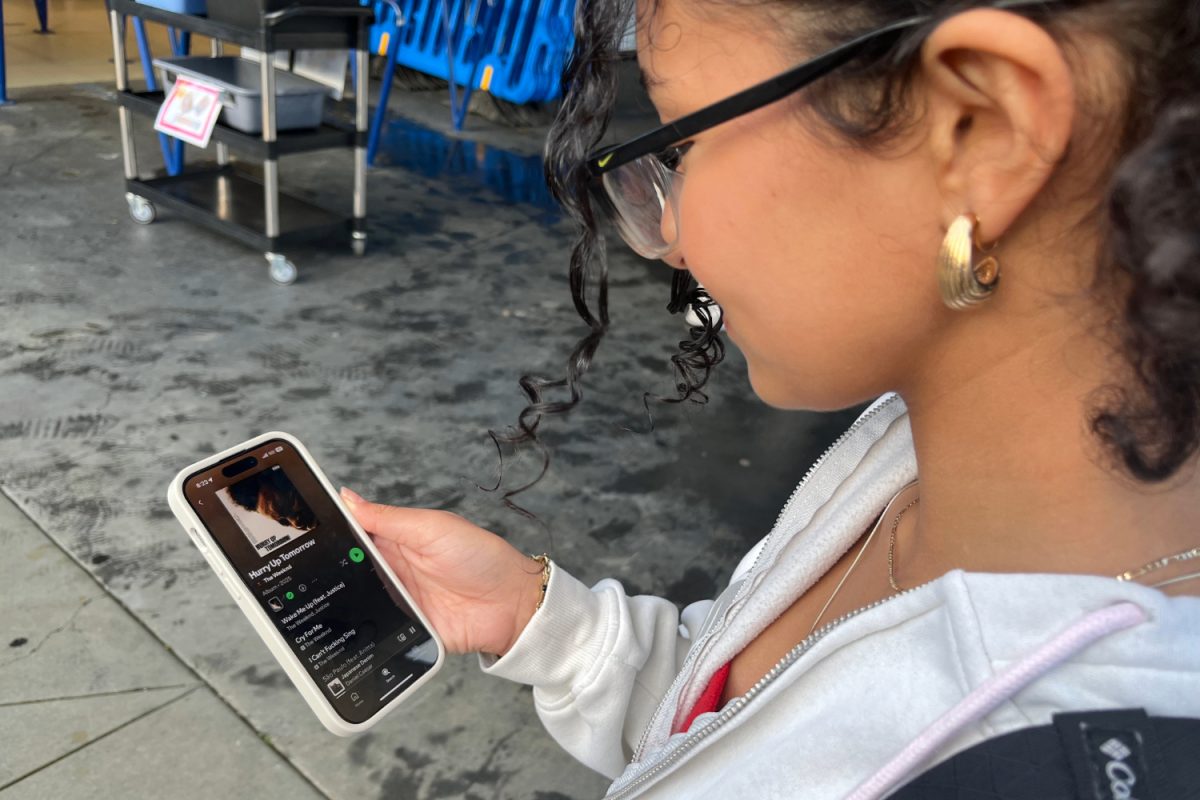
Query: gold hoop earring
x,y
963,283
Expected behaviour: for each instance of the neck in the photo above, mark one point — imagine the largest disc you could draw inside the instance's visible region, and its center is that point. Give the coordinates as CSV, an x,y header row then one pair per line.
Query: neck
x,y
1013,481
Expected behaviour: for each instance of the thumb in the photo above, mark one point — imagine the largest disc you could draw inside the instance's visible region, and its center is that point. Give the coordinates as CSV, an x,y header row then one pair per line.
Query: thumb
x,y
403,525
372,516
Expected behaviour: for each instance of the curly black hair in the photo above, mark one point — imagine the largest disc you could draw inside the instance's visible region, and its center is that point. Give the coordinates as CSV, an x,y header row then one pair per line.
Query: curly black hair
x,y
580,124
1151,426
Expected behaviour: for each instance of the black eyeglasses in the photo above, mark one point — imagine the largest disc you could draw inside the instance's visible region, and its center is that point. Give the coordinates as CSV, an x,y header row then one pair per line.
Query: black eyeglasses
x,y
636,182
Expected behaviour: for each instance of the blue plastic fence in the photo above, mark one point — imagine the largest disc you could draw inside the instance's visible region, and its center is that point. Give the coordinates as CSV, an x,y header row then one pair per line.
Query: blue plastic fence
x,y
424,31
514,49
526,61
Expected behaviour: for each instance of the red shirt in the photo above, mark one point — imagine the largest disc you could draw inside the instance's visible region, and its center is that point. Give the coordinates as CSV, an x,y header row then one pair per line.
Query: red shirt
x,y
710,698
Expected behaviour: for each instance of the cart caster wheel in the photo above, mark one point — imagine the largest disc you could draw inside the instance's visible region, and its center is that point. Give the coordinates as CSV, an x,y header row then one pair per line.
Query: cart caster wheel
x,y
358,247
281,270
141,210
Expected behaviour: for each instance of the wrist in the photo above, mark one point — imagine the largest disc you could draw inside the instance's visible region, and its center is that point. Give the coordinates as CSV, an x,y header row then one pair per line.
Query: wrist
x,y
534,582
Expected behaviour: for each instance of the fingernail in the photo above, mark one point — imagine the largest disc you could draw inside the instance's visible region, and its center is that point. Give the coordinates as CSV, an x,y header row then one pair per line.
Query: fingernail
x,y
351,497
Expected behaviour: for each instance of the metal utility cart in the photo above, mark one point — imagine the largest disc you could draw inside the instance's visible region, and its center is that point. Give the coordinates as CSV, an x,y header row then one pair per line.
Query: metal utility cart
x,y
222,197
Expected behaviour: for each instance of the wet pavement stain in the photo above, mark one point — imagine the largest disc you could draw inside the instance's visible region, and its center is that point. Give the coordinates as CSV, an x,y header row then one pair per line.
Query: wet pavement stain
x,y
273,677
513,177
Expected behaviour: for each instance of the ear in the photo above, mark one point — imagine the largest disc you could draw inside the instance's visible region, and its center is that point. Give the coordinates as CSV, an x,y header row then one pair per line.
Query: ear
x,y
1000,111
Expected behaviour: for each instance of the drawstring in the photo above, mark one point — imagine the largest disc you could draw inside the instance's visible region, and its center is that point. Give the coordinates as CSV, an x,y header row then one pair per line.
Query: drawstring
x,y
998,688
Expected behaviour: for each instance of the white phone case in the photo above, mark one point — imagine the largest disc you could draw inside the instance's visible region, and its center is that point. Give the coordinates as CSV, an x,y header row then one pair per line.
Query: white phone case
x,y
258,618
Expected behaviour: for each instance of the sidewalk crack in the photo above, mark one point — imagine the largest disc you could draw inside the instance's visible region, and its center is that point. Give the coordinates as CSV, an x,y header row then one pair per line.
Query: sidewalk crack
x,y
114,693
101,737
68,624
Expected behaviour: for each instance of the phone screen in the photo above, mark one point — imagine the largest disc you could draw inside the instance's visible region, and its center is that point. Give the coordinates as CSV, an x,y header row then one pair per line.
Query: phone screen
x,y
291,546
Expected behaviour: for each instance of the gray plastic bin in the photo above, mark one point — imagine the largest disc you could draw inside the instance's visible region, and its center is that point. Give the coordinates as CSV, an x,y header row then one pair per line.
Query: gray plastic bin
x,y
299,102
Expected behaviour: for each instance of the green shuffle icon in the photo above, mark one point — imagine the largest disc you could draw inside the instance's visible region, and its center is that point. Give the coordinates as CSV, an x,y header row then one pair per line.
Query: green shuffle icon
x,y
357,555
290,595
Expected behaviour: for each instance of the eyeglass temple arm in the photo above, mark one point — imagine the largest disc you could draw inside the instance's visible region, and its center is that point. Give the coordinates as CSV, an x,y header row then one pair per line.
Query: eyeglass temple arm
x,y
757,96
764,93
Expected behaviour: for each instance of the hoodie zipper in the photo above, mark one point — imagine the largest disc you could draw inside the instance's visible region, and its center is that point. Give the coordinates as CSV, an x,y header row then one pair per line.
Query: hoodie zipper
x,y
735,706
784,512
858,423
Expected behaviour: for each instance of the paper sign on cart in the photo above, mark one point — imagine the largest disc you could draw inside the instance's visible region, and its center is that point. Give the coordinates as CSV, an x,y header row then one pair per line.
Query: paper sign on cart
x,y
190,111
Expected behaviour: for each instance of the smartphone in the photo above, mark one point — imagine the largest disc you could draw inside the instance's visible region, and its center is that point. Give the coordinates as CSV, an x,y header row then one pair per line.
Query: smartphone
x,y
308,578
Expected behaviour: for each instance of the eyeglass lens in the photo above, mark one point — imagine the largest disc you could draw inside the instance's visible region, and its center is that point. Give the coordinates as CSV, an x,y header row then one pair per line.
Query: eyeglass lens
x,y
643,194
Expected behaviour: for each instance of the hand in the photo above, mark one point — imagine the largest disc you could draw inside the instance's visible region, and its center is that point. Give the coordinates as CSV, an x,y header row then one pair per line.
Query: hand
x,y
478,591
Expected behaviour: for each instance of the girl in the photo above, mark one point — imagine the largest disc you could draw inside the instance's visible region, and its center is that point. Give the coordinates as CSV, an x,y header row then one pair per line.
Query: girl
x,y
989,214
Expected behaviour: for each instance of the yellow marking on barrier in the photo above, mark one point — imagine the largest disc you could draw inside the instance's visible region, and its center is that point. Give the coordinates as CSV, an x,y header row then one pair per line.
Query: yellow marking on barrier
x,y
383,43
485,82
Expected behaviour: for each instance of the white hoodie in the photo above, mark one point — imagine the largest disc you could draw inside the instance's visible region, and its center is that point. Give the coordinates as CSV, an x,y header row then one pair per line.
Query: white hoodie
x,y
867,701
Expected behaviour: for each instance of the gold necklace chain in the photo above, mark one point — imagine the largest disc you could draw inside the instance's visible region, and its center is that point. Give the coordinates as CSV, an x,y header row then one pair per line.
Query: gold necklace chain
x,y
1159,563
846,575
892,546
859,555
1129,575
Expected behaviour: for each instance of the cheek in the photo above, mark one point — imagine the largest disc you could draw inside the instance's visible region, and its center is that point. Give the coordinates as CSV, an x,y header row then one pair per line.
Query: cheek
x,y
817,260
761,232
729,222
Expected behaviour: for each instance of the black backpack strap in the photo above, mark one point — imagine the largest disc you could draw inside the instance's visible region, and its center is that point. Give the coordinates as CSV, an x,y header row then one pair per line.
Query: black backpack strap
x,y
1091,755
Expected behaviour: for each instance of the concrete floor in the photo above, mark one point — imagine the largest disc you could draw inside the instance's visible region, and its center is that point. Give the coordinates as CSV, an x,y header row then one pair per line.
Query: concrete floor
x,y
127,352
